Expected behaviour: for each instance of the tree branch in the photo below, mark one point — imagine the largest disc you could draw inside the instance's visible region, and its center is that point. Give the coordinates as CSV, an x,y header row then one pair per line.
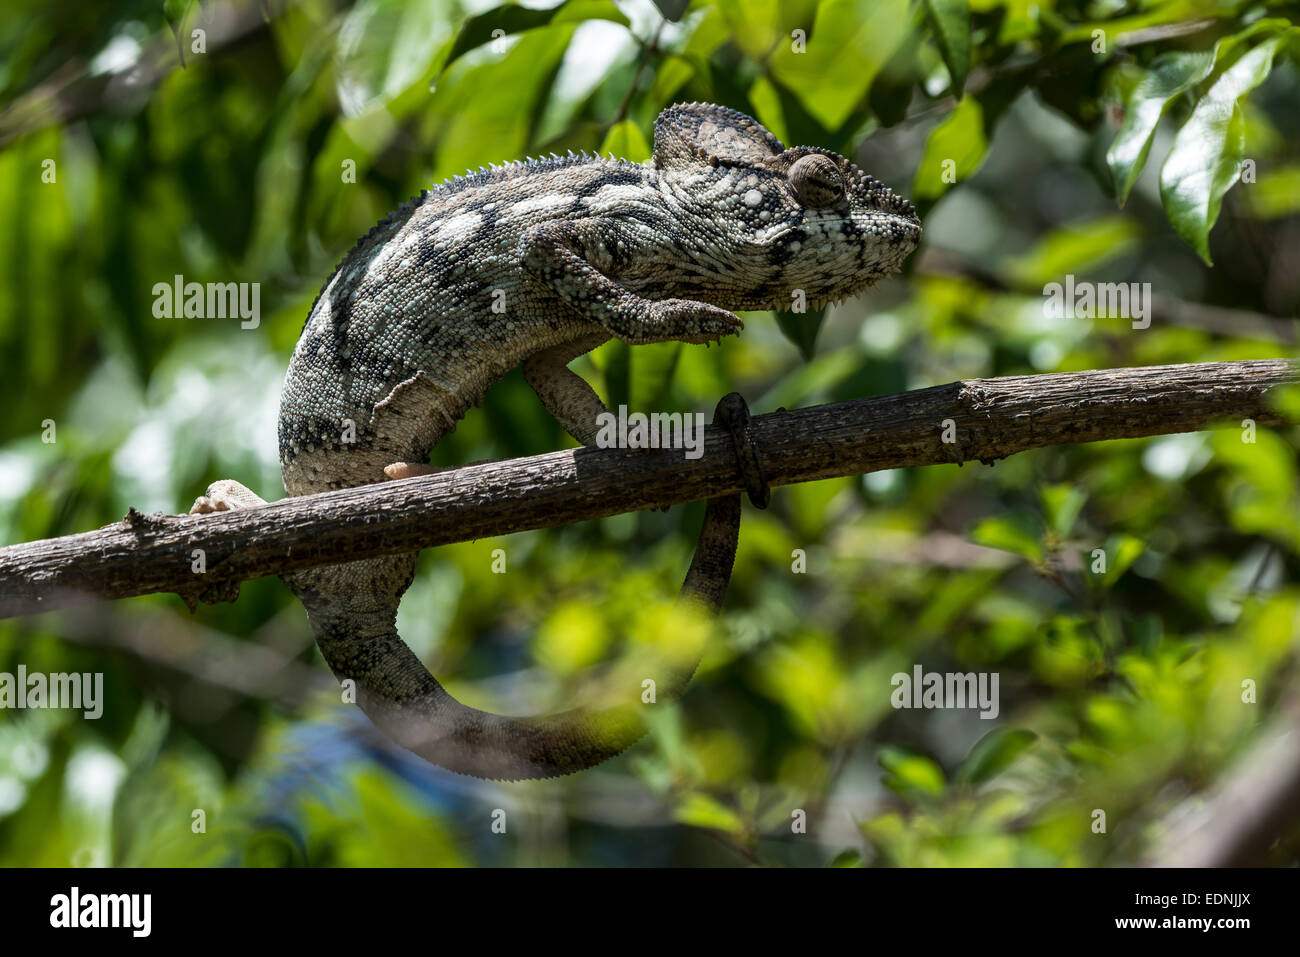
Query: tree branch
x,y
992,418
1255,803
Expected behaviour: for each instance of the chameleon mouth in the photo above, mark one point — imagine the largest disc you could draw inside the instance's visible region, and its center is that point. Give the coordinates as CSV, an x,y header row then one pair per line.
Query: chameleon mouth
x,y
894,232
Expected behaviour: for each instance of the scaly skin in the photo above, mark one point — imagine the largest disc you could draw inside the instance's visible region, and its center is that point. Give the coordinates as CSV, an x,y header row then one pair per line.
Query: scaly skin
x,y
533,264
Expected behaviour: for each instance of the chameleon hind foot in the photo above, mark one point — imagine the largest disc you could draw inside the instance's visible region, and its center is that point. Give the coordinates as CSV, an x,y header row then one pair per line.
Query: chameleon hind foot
x,y
222,496
225,495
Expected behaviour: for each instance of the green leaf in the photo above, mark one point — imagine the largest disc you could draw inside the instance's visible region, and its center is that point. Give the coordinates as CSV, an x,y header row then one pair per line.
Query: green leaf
x,y
850,42
700,810
953,152
672,9
892,90
911,774
752,25
802,329
766,100
487,110
1226,50
617,370
511,19
384,47
849,858
174,14
1285,400
1169,76
573,636
950,20
1276,194
1062,503
1121,552
672,73
1207,153
994,753
1073,248
813,379
650,374
625,140
1016,532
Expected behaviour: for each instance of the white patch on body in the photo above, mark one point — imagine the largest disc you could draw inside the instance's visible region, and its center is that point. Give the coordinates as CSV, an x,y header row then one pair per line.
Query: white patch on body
x,y
460,228
615,195
538,204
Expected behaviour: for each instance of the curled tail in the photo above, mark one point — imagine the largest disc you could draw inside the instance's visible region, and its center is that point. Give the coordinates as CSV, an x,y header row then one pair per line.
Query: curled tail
x,y
353,612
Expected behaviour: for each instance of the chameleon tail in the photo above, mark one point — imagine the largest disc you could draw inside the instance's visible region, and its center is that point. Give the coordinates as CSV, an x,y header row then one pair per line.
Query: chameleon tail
x,y
358,637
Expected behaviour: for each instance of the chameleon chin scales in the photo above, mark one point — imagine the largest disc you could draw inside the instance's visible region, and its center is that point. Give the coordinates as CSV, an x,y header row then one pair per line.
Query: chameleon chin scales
x,y
578,249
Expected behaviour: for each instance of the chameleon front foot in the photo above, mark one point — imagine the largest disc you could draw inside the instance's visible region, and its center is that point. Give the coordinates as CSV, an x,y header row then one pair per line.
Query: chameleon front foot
x,y
686,320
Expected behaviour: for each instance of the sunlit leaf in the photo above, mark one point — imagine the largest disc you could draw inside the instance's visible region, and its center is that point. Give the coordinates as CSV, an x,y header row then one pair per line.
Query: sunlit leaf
x,y
1016,532
950,20
1276,194
911,774
1074,248
1206,156
385,46
509,19
1170,74
1062,503
994,753
1121,552
626,141
572,637
850,42
700,810
953,152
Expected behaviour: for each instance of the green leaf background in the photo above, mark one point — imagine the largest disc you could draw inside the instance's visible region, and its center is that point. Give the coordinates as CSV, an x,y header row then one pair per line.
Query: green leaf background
x,y
1169,157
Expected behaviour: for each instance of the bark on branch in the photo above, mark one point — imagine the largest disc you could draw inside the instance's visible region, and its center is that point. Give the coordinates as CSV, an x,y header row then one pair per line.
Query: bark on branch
x,y
1255,803
992,418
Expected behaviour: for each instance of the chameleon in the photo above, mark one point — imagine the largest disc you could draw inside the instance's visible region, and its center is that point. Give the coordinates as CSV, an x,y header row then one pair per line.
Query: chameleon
x,y
532,264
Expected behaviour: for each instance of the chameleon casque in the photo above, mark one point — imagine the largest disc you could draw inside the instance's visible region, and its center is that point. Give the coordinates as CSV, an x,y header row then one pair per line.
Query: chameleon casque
x,y
403,340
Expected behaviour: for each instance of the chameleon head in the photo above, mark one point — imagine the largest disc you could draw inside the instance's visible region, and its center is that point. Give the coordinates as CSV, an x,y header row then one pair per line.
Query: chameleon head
x,y
785,223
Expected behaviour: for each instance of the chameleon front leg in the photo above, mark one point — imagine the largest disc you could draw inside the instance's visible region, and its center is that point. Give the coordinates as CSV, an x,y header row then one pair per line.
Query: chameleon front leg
x,y
574,404
555,255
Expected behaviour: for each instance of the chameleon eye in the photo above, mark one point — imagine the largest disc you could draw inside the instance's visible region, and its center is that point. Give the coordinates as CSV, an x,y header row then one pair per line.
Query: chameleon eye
x,y
816,181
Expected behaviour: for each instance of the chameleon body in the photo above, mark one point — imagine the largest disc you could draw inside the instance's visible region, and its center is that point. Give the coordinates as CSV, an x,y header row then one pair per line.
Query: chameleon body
x,y
532,264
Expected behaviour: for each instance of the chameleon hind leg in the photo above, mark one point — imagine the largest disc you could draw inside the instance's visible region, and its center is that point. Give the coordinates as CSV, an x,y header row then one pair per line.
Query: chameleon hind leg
x,y
225,495
567,396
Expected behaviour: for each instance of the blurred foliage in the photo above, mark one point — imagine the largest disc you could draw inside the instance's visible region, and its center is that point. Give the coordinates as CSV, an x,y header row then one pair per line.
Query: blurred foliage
x,y
1119,141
